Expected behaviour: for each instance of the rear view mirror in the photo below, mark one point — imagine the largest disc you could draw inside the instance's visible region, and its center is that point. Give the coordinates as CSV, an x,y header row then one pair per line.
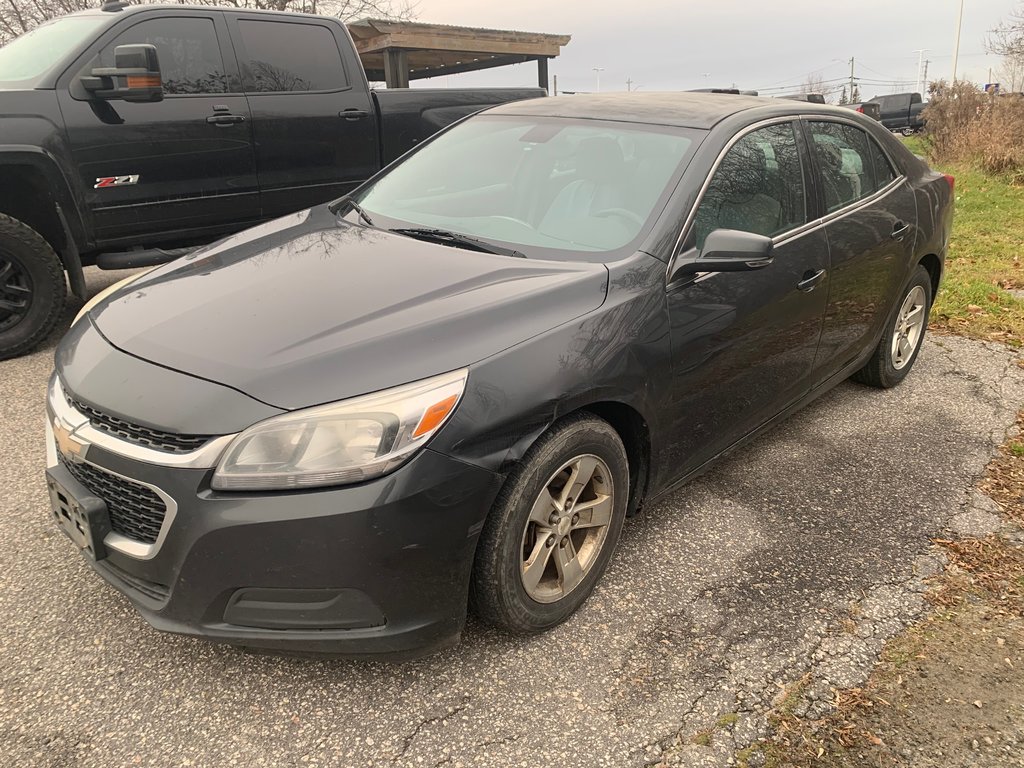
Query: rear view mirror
x,y
134,77
729,250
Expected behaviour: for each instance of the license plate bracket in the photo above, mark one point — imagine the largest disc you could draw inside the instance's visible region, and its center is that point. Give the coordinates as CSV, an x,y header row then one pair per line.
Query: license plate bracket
x,y
83,517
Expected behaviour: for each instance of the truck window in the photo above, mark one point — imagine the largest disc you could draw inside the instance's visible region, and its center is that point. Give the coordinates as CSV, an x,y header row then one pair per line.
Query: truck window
x,y
282,57
190,59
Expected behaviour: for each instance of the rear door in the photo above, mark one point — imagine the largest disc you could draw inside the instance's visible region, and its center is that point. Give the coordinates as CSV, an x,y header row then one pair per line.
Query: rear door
x,y
871,225
315,125
744,343
163,171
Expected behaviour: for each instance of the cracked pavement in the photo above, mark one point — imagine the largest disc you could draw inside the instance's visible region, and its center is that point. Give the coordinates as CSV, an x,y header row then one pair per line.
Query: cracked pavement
x,y
802,552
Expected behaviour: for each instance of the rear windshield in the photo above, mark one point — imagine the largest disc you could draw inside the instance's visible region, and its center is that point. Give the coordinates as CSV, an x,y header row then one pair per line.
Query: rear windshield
x,y
24,60
553,188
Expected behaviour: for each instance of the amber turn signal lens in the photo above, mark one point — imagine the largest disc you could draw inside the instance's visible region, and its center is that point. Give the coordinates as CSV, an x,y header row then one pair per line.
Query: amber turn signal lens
x,y
434,415
143,81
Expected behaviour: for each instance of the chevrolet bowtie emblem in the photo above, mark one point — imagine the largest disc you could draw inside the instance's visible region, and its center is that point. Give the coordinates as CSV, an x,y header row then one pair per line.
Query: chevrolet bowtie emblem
x,y
67,445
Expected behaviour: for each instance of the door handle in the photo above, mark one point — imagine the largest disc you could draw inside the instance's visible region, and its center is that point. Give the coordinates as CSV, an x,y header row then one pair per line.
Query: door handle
x,y
225,119
811,280
899,231
353,114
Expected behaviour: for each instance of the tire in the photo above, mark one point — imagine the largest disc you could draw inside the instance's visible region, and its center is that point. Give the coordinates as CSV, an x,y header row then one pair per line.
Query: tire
x,y
890,363
498,591
908,131
32,288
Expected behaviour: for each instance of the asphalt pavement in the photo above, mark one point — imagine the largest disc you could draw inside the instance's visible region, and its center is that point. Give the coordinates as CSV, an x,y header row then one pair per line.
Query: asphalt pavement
x,y
799,554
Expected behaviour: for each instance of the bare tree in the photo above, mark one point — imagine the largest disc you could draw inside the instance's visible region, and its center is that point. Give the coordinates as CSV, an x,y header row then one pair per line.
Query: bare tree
x,y
1008,38
19,16
814,83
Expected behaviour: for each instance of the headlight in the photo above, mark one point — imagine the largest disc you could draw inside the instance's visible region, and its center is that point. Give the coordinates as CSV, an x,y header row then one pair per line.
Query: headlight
x,y
340,443
107,291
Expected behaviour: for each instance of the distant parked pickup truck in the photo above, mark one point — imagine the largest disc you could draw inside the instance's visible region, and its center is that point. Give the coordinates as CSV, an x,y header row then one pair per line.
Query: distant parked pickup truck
x,y
130,134
901,112
870,108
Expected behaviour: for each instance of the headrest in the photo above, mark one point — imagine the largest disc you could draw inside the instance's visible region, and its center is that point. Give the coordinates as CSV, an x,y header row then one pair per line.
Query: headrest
x,y
600,159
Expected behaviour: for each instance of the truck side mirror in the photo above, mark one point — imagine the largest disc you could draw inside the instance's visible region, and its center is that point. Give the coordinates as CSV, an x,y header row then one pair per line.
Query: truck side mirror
x,y
134,77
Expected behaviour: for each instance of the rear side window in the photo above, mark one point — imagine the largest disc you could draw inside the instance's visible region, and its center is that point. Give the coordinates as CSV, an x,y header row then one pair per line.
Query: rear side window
x,y
844,161
884,172
190,60
758,187
280,57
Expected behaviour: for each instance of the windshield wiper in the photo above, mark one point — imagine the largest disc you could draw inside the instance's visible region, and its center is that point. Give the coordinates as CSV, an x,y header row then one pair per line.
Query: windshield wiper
x,y
348,202
457,239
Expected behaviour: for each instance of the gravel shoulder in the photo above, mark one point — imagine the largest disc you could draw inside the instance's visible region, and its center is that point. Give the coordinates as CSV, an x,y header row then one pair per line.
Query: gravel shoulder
x,y
722,601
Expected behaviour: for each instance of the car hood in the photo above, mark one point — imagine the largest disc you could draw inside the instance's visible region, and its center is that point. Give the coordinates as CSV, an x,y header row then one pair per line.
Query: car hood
x,y
308,309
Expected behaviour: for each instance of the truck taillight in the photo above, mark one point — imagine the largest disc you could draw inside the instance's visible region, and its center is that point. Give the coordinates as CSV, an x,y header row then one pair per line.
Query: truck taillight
x,y
951,181
860,109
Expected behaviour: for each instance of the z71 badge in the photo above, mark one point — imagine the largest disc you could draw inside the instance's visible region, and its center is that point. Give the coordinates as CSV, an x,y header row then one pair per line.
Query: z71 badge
x,y
116,181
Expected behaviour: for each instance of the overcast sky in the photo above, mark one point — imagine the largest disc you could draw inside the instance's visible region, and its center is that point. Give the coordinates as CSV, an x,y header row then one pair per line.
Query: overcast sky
x,y
670,45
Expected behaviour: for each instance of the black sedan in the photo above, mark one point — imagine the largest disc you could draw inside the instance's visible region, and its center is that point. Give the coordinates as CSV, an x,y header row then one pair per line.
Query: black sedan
x,y
339,430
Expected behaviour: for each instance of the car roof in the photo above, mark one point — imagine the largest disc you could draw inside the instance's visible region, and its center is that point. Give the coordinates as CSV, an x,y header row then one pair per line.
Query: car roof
x,y
682,109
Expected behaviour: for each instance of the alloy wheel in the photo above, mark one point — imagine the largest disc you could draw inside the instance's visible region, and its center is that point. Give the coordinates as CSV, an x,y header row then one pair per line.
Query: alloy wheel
x,y
15,292
567,528
910,322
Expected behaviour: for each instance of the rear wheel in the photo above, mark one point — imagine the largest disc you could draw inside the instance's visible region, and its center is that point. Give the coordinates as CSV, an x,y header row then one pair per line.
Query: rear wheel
x,y
553,528
32,288
900,343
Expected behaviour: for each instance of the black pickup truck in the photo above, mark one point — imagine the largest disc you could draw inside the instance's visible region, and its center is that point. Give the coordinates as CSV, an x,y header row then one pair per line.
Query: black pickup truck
x,y
901,112
129,135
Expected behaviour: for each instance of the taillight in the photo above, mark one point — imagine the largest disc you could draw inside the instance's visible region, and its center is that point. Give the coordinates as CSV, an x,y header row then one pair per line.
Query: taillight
x,y
861,110
951,181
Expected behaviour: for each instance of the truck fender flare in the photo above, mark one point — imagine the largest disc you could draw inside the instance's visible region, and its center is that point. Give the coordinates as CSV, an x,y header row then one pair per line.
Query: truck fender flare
x,y
66,210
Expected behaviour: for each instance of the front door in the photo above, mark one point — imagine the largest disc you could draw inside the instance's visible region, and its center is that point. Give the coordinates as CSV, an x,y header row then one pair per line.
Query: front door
x,y
744,343
166,171
316,126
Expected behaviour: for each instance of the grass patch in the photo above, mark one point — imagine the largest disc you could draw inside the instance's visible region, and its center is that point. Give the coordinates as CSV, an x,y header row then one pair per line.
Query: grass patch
x,y
985,263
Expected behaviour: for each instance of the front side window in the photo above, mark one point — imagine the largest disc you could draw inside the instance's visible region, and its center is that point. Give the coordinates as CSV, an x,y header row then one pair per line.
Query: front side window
x,y
281,57
758,187
190,59
844,163
550,187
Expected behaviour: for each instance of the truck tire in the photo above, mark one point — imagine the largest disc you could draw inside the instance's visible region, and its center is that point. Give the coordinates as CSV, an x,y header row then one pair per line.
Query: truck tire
x,y
32,288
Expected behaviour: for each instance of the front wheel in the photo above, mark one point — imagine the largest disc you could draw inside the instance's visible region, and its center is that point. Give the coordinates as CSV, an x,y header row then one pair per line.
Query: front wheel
x,y
908,131
553,528
32,288
900,343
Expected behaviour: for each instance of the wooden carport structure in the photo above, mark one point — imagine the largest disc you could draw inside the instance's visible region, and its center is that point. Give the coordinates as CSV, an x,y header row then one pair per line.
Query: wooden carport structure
x,y
397,52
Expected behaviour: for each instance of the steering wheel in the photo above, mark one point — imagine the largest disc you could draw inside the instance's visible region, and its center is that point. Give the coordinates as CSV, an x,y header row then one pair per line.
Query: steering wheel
x,y
622,213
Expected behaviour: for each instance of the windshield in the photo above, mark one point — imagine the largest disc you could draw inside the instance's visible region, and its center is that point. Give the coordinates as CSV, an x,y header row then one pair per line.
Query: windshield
x,y
536,184
26,58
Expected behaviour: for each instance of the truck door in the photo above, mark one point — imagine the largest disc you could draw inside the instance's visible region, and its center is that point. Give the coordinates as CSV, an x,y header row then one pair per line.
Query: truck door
x,y
175,169
315,124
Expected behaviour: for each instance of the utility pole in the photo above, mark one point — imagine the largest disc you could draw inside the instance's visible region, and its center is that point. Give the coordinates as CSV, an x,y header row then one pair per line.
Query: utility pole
x,y
925,78
956,42
851,80
920,61
629,84
556,84
598,71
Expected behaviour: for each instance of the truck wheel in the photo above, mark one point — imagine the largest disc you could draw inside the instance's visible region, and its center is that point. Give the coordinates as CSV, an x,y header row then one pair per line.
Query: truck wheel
x,y
908,131
32,288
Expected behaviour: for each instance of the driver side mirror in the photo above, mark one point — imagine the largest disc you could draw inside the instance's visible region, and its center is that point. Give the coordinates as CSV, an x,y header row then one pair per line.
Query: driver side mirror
x,y
135,76
728,250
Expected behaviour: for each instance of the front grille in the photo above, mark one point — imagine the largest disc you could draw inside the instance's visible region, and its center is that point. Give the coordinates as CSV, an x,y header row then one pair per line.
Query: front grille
x,y
168,442
135,511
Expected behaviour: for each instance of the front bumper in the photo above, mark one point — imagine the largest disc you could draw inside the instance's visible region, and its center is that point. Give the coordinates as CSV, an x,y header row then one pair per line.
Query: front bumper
x,y
380,568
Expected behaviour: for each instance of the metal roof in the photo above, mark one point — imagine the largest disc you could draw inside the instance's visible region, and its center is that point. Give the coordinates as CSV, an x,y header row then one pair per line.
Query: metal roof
x,y
430,50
